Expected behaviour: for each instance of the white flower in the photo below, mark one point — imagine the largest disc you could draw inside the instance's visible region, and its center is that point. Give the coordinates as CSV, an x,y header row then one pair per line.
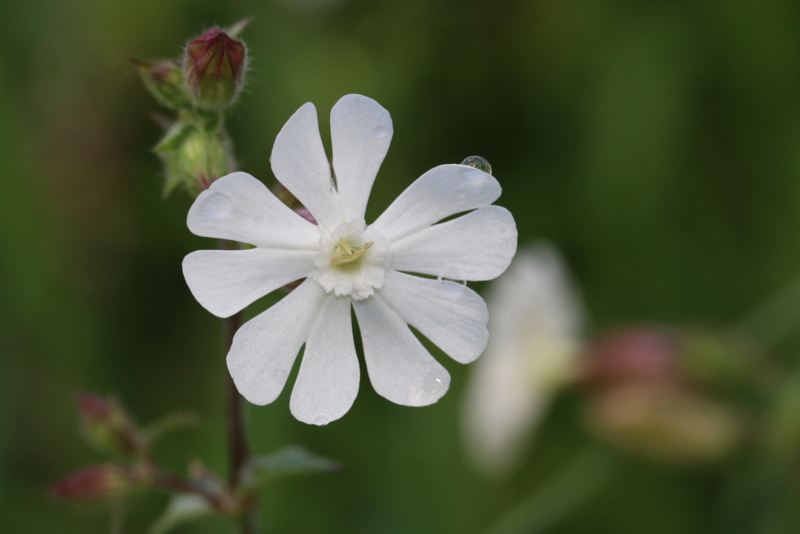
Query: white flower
x,y
346,262
537,319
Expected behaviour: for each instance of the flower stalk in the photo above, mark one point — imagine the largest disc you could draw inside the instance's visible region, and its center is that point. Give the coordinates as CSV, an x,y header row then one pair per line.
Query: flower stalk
x,y
238,451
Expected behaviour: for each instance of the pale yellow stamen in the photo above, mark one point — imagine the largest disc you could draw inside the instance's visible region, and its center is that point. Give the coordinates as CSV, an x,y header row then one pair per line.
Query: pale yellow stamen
x,y
343,253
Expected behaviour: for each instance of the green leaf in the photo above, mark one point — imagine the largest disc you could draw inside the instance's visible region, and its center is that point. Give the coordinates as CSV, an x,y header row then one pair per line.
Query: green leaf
x,y
181,509
286,462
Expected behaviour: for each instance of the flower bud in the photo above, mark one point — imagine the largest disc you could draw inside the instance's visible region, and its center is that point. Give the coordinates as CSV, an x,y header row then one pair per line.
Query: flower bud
x,y
165,81
635,354
664,422
197,160
96,483
107,426
214,66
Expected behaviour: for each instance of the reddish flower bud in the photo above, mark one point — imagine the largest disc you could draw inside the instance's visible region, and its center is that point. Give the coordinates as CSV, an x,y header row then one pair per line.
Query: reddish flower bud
x,y
645,353
107,426
164,80
214,67
665,423
96,483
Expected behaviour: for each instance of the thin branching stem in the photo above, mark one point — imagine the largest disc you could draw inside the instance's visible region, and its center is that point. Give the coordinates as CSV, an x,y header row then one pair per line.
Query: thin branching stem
x,y
238,450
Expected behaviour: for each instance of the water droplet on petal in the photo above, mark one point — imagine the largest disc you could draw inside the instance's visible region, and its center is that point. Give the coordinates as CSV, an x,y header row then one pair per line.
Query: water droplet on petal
x,y
216,208
479,163
321,420
381,132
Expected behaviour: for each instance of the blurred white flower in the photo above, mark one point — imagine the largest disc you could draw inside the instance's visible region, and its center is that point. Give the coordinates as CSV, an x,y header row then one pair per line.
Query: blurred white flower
x,y
536,322
346,262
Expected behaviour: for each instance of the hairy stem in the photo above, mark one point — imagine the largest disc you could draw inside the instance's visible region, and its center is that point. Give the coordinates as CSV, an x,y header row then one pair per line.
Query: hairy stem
x,y
238,451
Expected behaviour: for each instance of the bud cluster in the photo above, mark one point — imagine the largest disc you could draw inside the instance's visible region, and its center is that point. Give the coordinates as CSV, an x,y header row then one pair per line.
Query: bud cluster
x,y
658,392
200,86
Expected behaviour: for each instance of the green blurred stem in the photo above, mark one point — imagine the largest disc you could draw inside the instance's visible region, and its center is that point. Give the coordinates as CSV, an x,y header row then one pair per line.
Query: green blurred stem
x,y
586,474
238,451
777,318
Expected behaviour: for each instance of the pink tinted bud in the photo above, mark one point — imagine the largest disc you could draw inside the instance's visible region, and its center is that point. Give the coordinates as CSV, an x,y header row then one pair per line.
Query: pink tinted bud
x,y
95,483
214,67
164,80
647,353
664,423
107,426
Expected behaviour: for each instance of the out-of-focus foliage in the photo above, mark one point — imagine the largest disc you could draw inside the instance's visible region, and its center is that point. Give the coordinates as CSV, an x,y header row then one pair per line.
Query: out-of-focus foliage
x,y
657,143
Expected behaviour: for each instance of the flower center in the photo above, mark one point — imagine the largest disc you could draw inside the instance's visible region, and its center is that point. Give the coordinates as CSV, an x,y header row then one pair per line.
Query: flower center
x,y
351,260
345,257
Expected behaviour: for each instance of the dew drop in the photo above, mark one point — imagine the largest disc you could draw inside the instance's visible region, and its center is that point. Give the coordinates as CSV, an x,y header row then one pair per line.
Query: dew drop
x,y
381,132
479,163
216,208
321,420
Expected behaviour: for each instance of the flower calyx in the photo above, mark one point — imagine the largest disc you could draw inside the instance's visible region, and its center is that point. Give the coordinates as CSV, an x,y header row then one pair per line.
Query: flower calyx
x,y
214,66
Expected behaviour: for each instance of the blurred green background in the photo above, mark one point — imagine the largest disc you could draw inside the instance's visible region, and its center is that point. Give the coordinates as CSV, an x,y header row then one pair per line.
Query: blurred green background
x,y
657,143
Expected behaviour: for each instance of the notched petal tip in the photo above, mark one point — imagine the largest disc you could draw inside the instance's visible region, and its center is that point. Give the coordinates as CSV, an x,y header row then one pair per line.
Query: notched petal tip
x,y
198,285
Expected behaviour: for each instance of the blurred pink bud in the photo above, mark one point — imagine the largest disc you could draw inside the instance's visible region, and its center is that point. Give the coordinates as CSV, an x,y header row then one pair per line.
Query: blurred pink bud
x,y
645,353
664,422
214,67
96,483
107,426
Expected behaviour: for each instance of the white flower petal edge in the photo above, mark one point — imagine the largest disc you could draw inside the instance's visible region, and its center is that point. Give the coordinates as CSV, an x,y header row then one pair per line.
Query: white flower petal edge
x,y
399,367
265,348
476,246
300,164
442,191
240,208
328,380
449,314
537,318
361,131
226,281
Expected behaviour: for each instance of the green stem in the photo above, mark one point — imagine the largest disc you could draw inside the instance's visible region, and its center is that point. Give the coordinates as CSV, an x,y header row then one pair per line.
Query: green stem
x,y
584,476
238,450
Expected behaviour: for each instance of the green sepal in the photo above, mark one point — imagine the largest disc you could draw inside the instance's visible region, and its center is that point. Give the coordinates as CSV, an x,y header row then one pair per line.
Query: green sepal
x,y
175,137
236,29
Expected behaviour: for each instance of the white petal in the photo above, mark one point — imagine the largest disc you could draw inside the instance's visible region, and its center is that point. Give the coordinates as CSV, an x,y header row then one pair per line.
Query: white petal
x,y
502,405
240,208
328,380
448,313
476,246
225,281
442,191
265,347
300,164
361,131
536,320
399,367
